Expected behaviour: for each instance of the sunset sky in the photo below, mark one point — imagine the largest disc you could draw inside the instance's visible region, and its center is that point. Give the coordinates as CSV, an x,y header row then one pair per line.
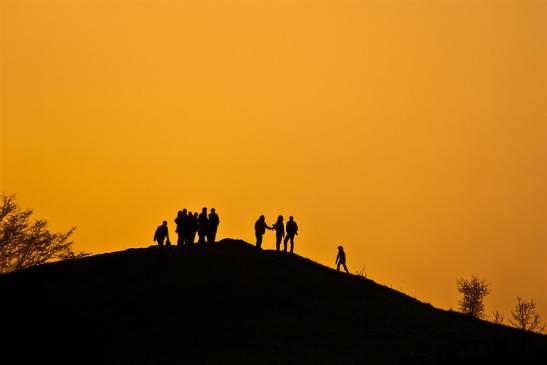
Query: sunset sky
x,y
412,132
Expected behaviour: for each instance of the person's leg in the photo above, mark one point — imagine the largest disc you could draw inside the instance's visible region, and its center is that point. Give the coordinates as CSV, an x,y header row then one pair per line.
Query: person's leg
x,y
285,243
278,242
345,267
292,243
338,267
258,240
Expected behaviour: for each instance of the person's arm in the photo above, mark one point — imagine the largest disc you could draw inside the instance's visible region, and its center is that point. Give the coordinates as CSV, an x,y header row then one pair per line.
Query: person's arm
x,y
337,258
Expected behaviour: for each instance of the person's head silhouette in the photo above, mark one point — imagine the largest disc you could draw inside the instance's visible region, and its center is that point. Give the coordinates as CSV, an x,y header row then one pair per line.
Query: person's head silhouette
x,y
340,248
262,218
184,211
213,210
280,218
291,218
164,223
204,210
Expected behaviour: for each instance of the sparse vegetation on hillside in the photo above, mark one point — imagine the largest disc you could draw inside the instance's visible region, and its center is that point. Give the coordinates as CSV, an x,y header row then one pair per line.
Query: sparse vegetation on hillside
x,y
229,303
362,273
498,317
525,316
25,242
474,291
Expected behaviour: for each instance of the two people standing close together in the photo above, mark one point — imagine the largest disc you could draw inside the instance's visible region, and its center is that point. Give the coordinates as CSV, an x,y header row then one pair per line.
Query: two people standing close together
x,y
188,225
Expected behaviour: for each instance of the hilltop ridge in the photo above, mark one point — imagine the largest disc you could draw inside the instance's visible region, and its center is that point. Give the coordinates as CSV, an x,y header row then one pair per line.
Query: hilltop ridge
x,y
231,303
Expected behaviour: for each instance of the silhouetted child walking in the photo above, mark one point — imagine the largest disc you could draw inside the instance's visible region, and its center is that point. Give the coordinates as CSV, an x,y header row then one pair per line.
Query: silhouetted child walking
x,y
341,259
162,232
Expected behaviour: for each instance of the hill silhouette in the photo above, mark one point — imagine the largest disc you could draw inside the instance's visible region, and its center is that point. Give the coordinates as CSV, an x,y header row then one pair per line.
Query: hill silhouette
x,y
233,304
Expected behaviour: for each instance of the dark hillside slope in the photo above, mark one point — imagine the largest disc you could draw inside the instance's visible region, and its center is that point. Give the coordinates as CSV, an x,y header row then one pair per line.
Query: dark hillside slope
x,y
232,304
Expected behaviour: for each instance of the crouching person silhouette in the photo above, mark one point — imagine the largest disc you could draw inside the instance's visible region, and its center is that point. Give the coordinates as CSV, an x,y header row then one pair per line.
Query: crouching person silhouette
x,y
341,259
260,229
162,233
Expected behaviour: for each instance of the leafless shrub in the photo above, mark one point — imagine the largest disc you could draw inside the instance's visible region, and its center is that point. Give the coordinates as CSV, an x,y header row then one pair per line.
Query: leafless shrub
x,y
498,318
474,291
525,317
25,242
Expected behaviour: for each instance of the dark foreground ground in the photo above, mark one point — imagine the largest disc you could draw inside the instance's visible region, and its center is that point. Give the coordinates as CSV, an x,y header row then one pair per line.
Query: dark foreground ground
x,y
233,304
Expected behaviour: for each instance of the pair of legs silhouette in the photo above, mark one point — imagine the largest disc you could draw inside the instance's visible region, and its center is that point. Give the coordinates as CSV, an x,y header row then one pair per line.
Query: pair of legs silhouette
x,y
259,240
343,264
288,237
212,235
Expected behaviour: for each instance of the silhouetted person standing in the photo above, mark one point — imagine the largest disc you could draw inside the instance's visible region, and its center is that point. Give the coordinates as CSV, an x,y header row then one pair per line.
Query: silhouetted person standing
x,y
341,259
162,232
180,221
203,226
214,221
187,228
292,230
192,227
279,232
260,229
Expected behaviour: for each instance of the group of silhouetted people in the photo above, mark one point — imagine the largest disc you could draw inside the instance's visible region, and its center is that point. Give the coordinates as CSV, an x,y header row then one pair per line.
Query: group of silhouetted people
x,y
287,231
189,224
206,225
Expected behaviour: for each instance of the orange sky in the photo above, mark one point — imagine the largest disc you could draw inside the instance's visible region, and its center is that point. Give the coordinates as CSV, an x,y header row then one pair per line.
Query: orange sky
x,y
412,132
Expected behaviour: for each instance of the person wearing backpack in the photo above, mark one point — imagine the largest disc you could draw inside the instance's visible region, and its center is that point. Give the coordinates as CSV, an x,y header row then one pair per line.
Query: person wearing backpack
x,y
292,230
